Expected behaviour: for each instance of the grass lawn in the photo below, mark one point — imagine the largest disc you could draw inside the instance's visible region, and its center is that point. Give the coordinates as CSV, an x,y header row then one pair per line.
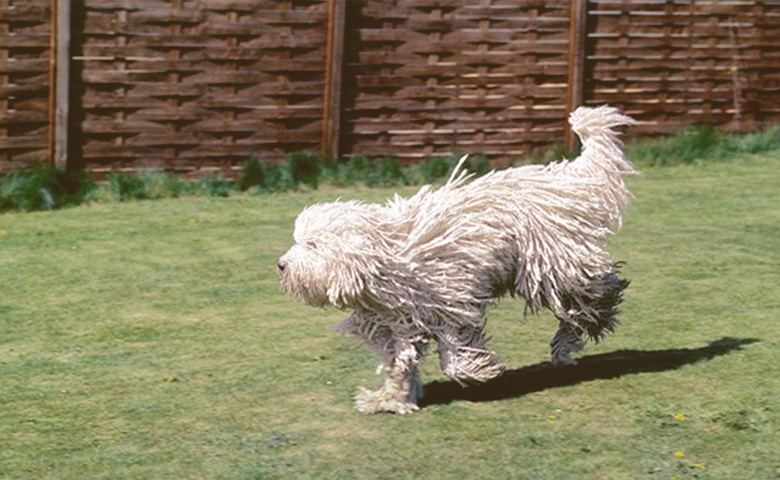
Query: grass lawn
x,y
150,340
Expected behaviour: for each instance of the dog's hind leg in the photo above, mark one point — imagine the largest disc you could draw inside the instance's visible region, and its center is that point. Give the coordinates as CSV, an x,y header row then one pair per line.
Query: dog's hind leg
x,y
602,306
401,387
567,339
590,313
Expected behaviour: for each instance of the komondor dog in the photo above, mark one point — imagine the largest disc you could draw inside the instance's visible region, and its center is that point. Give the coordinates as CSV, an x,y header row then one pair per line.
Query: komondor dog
x,y
427,267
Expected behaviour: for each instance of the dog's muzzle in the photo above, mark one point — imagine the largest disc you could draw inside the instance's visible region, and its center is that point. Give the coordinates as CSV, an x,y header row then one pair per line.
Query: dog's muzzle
x,y
281,265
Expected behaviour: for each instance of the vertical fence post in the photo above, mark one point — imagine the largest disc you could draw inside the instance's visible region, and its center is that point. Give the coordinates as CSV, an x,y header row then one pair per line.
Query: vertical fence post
x,y
60,83
577,37
331,112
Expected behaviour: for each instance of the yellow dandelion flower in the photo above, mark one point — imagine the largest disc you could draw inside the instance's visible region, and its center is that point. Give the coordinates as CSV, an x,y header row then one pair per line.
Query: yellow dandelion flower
x,y
699,466
679,454
553,417
681,417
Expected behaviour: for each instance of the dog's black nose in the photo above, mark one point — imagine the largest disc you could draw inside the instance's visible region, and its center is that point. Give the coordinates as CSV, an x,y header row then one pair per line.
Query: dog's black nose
x,y
281,265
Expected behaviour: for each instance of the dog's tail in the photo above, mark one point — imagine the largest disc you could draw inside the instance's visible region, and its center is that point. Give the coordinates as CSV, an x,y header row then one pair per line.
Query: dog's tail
x,y
602,161
602,149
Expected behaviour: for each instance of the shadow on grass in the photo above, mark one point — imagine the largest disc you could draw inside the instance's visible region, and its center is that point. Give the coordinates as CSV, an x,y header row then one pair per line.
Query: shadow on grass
x,y
535,378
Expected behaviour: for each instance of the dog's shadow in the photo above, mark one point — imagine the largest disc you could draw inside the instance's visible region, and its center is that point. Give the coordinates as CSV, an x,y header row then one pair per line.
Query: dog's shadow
x,y
535,378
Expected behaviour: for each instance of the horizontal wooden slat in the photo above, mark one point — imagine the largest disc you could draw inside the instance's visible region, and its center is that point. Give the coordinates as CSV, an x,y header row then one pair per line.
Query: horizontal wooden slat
x,y
25,41
24,65
211,5
22,141
8,118
23,13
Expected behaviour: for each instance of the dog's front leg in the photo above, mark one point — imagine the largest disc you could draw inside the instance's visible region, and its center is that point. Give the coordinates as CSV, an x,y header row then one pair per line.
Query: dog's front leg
x,y
401,387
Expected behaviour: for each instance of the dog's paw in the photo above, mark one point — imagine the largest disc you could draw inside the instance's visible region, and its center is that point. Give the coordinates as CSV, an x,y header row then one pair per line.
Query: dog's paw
x,y
382,400
562,360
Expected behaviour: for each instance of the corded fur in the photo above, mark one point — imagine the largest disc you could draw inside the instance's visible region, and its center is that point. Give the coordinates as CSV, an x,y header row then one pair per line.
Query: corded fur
x,y
427,267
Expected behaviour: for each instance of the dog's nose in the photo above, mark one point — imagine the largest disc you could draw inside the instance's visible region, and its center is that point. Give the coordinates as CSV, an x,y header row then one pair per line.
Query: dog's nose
x,y
281,265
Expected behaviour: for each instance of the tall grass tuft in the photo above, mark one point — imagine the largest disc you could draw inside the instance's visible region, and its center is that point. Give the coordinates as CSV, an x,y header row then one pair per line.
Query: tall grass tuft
x,y
253,174
126,187
44,188
304,168
437,169
212,187
268,177
478,164
164,185
693,144
762,141
387,172
359,169
701,143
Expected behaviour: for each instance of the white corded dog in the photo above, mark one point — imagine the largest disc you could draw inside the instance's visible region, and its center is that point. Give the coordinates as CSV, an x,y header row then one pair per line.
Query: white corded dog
x,y
427,267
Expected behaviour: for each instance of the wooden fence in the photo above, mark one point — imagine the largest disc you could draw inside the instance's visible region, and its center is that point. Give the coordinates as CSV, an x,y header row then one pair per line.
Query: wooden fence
x,y
199,86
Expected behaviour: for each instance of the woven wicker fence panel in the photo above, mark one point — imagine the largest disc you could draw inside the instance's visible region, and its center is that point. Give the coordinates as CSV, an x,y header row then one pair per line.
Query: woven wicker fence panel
x,y
199,85
24,83
432,78
674,63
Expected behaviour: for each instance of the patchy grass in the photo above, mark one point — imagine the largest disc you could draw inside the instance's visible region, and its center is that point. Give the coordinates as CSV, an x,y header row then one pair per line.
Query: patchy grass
x,y
150,340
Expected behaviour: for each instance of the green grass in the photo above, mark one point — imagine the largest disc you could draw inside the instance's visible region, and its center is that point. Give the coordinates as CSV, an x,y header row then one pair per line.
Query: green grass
x,y
150,340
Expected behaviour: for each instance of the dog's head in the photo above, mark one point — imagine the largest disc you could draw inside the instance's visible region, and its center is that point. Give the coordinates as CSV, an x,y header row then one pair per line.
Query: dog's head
x,y
333,254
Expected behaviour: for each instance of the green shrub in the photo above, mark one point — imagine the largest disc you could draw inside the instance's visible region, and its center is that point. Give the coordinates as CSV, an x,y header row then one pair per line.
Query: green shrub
x,y
126,187
331,172
303,168
553,153
44,188
253,174
478,164
144,185
438,169
355,169
266,177
213,187
692,144
374,172
701,143
762,141
278,178
388,173
163,185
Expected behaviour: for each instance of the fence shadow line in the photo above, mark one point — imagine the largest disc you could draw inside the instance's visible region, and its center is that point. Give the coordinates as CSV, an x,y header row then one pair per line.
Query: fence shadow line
x,y
542,376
